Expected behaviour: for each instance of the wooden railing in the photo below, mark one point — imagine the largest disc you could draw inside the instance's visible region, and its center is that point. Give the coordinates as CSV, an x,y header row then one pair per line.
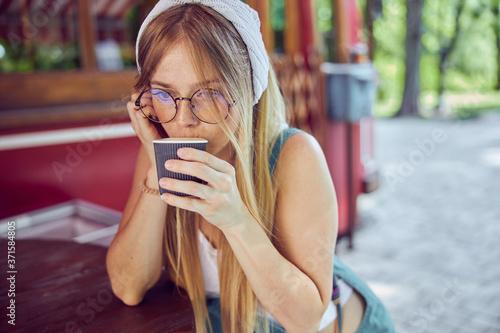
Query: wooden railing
x,y
302,87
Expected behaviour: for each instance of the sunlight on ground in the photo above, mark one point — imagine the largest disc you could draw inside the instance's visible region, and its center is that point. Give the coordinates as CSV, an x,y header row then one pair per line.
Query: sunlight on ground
x,y
491,157
383,290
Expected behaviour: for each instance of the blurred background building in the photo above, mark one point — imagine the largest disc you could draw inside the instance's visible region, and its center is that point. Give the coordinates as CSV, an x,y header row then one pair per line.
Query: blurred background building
x,y
403,96
69,66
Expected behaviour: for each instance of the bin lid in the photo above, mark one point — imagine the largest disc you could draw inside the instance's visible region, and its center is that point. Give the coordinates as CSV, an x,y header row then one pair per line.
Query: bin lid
x,y
364,71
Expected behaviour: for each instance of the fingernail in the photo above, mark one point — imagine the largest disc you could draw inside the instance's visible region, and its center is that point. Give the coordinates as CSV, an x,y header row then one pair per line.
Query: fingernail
x,y
163,182
181,152
169,164
164,196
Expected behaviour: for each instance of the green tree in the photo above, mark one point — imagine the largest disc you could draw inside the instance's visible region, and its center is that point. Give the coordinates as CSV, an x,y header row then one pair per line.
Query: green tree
x,y
447,45
495,4
457,42
389,33
411,96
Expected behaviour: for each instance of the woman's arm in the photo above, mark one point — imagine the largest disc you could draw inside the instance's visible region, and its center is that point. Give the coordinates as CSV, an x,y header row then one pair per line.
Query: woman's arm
x,y
292,279
136,255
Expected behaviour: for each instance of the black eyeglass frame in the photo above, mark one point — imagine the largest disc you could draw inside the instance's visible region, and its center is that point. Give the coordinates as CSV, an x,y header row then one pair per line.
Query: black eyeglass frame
x,y
138,104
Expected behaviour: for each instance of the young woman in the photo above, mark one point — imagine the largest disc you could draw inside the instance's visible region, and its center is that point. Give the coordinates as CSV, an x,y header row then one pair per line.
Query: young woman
x,y
253,245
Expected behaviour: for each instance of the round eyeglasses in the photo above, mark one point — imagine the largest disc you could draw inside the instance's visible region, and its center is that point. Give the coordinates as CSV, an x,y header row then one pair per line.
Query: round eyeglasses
x,y
208,105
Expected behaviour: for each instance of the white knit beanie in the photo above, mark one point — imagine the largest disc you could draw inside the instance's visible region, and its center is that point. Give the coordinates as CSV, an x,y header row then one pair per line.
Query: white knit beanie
x,y
245,20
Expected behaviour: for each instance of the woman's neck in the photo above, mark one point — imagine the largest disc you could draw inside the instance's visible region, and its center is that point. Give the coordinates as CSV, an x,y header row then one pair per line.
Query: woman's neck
x,y
227,154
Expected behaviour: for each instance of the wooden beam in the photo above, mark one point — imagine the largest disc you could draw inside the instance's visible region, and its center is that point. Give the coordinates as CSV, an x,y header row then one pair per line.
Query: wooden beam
x,y
292,27
33,90
343,32
86,36
262,7
65,115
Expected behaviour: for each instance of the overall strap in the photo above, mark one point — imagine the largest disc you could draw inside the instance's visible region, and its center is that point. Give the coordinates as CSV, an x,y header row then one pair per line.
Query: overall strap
x,y
336,301
280,141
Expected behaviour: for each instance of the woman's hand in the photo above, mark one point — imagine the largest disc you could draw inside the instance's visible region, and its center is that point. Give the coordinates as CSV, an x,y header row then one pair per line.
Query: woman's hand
x,y
219,201
145,129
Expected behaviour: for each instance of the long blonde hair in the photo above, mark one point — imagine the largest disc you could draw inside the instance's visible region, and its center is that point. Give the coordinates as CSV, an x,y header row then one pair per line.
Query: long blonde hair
x,y
217,50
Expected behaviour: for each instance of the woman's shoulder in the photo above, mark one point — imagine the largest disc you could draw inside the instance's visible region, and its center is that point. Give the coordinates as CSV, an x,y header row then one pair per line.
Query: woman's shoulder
x,y
301,140
306,199
300,150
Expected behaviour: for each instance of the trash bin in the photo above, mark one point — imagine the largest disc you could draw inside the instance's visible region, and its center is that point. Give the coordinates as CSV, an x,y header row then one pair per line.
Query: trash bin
x,y
350,91
348,136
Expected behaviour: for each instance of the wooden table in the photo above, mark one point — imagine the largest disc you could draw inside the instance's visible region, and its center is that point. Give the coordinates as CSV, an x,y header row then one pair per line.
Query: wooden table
x,y
64,287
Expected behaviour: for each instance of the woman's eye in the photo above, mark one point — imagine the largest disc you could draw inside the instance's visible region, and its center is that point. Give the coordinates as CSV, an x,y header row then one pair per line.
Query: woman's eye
x,y
209,94
161,95
202,94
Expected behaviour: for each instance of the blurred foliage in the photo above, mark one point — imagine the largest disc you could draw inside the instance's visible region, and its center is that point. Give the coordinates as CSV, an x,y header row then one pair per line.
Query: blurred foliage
x,y
277,15
31,57
389,33
326,28
50,57
472,66
473,63
324,15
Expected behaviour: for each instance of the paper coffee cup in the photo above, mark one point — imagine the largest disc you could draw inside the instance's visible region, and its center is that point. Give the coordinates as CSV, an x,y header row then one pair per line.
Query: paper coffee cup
x,y
166,149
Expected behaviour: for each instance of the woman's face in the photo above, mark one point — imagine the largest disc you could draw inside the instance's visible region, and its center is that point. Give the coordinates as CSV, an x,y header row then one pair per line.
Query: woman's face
x,y
176,75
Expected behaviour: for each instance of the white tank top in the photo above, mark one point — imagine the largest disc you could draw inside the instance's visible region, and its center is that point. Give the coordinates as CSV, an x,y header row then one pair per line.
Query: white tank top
x,y
208,258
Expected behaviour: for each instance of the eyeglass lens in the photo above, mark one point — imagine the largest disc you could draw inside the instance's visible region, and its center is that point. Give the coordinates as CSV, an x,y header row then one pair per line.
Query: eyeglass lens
x,y
208,105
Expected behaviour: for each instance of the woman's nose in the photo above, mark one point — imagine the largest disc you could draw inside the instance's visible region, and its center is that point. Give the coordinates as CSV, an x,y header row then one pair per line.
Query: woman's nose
x,y
184,115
